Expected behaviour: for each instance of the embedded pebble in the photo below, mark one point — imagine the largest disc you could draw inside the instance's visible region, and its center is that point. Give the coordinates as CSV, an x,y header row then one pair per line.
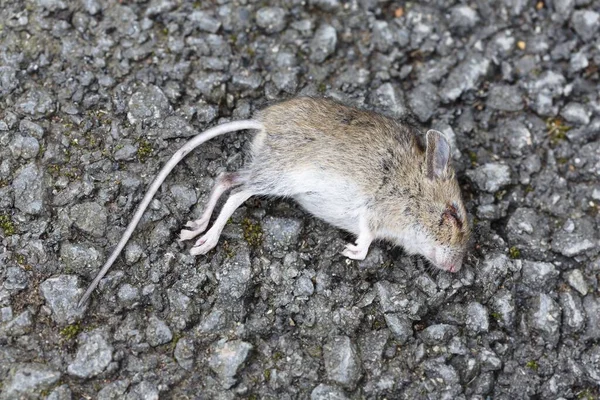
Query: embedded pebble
x,y
585,23
26,380
577,281
227,359
271,19
477,318
148,104
545,317
28,189
341,361
62,294
91,218
505,98
491,177
157,332
573,314
323,43
94,354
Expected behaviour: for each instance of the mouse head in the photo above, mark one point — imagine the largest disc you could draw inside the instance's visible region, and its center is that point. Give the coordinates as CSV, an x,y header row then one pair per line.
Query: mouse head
x,y
441,215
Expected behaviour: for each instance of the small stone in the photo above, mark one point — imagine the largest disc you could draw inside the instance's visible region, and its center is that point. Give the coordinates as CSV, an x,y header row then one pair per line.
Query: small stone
x,y
204,21
271,19
114,390
80,257
477,318
576,113
8,80
148,104
573,314
31,128
177,127
157,7
545,317
93,355
286,81
63,392
521,45
246,80
133,252
128,294
27,147
90,217
463,18
438,334
280,233
577,281
538,275
505,98
578,62
184,196
184,353
157,332
16,279
585,23
517,135
28,189
464,77
389,99
36,103
423,101
489,361
323,43
590,360
528,231
563,9
400,326
341,362
304,286
62,294
326,5
591,305
227,358
490,177
572,244
235,276
383,38
126,152
26,380
327,392
144,390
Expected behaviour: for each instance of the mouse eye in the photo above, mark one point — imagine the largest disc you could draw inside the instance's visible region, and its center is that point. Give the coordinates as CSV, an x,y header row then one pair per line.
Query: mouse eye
x,y
451,216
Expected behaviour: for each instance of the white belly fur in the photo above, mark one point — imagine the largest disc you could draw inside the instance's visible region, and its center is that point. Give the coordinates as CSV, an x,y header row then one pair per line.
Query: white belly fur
x,y
333,198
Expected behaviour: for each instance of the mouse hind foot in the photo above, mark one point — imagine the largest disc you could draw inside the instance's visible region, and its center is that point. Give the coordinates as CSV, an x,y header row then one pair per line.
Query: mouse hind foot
x,y
359,250
210,238
223,183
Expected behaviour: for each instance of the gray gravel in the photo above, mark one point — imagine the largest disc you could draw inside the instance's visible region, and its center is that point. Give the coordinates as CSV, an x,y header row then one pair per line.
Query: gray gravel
x,y
96,96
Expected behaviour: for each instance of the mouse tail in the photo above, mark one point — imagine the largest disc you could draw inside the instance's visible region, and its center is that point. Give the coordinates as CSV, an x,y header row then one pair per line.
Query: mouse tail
x,y
162,175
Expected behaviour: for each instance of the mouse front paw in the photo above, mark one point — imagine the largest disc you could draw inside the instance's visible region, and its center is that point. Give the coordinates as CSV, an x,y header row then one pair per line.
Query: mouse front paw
x,y
354,252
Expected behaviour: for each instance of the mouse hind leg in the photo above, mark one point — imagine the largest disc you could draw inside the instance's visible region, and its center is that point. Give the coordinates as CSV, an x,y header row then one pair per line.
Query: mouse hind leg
x,y
210,238
224,182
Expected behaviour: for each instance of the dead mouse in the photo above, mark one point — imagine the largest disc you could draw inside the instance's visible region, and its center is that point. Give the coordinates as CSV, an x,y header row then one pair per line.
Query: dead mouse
x,y
357,170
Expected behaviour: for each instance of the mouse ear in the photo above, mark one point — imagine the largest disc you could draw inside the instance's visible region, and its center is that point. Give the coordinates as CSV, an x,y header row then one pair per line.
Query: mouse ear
x,y
437,155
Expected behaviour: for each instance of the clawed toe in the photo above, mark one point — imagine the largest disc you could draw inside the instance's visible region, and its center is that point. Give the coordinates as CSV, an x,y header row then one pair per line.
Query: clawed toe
x,y
192,224
187,235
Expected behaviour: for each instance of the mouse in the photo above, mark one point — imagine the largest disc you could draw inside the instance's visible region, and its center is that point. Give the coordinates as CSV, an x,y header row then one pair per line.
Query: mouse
x,y
371,175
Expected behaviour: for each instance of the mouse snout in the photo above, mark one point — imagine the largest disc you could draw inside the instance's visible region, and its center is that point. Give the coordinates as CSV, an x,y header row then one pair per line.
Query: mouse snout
x,y
449,264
